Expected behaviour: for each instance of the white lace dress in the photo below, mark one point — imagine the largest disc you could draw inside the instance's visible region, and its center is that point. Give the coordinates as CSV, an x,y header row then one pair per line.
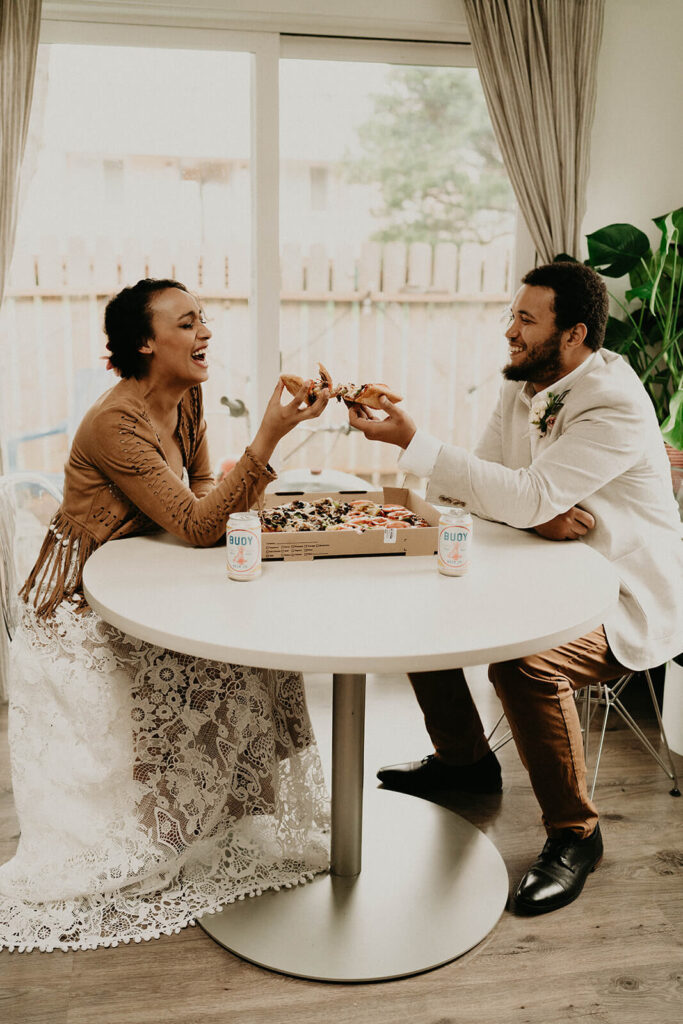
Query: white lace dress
x,y
151,787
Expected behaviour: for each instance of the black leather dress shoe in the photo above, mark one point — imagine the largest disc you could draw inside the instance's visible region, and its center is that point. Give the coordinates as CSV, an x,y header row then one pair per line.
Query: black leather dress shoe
x,y
430,775
558,876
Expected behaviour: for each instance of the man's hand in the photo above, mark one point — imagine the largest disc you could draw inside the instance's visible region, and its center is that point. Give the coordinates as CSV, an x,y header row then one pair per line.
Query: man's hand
x,y
396,428
568,526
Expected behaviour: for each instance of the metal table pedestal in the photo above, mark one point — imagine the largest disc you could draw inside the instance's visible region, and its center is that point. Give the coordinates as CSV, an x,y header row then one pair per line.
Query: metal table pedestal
x,y
431,887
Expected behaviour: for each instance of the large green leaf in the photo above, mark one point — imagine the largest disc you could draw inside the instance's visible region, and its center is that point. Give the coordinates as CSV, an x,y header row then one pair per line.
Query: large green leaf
x,y
672,427
614,250
675,218
619,335
650,334
673,265
642,292
641,272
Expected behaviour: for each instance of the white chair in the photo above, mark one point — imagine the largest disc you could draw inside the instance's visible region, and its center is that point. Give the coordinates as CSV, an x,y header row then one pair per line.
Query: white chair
x,y
27,503
608,696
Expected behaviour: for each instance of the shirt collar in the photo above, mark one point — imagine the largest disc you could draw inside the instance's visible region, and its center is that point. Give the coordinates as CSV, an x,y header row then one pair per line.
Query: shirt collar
x,y
530,397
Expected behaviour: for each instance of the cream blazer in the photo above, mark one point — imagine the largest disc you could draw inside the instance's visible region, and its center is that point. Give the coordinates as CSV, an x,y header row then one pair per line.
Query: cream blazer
x,y
604,452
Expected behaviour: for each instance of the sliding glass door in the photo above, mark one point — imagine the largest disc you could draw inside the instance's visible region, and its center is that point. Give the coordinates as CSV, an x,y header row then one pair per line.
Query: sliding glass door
x,y
334,202
137,165
396,231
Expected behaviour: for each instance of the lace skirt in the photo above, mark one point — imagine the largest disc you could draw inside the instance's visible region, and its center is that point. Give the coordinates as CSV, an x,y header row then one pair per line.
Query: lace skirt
x,y
151,787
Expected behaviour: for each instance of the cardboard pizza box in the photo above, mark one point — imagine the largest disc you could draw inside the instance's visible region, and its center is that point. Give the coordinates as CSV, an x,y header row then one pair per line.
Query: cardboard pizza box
x,y
341,543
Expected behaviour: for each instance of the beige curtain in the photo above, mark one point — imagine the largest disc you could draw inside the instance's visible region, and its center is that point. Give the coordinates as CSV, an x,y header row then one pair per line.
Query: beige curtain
x,y
538,65
19,31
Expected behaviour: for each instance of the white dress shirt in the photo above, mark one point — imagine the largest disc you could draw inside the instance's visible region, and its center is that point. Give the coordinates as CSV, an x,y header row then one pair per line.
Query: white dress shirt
x,y
604,452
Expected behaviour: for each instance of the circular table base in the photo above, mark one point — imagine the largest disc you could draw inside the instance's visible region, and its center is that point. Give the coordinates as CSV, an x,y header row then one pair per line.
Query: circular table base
x,y
431,887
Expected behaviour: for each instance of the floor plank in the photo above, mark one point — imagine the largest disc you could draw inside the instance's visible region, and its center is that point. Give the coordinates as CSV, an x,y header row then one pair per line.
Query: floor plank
x,y
613,957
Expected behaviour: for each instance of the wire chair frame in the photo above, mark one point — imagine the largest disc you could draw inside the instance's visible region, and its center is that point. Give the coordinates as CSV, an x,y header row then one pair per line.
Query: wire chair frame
x,y
505,738
607,696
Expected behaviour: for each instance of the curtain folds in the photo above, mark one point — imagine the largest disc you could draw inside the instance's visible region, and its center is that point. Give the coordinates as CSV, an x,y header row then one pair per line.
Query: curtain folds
x,y
19,31
538,65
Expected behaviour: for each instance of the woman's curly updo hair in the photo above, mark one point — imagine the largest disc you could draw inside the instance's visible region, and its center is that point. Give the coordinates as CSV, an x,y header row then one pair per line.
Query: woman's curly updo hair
x,y
128,324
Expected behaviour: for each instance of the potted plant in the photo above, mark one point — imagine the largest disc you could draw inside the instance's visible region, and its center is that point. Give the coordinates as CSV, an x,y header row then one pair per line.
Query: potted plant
x,y
650,335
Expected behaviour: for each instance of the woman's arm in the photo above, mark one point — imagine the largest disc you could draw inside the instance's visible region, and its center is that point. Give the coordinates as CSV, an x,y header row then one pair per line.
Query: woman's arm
x,y
126,450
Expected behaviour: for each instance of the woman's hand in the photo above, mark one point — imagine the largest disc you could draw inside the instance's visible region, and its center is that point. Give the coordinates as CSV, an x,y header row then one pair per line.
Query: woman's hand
x,y
396,428
280,418
567,526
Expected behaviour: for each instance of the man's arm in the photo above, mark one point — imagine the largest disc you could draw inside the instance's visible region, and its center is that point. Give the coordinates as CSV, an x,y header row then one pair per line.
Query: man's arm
x,y
398,428
592,451
570,525
599,445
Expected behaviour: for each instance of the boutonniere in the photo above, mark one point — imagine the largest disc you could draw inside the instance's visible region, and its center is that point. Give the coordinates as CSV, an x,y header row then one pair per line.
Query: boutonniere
x,y
545,418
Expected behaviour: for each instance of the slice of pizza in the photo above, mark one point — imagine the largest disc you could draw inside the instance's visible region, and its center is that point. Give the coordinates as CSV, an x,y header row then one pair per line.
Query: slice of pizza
x,y
360,394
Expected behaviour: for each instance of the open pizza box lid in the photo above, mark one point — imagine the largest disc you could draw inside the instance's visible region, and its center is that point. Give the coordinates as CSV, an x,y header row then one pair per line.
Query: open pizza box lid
x,y
341,543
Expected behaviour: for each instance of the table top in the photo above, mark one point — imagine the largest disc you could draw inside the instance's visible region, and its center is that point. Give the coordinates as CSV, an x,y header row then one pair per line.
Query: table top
x,y
387,613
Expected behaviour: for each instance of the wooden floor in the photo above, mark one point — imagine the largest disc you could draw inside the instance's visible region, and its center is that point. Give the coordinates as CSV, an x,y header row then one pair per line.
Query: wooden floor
x,y
613,956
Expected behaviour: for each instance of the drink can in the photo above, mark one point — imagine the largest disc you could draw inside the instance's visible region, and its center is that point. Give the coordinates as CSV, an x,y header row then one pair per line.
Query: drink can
x,y
243,540
455,542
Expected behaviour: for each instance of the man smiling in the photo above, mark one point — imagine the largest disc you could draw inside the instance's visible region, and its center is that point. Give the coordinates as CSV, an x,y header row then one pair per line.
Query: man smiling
x,y
573,451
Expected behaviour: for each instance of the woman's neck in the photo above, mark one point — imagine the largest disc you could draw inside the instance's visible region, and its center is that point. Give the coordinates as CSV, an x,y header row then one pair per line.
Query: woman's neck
x,y
162,400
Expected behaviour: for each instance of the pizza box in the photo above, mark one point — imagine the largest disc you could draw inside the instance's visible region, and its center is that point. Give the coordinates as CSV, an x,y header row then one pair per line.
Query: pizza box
x,y
311,544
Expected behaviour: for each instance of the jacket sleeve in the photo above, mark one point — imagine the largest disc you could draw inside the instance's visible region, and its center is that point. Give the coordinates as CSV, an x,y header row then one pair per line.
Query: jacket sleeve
x,y
596,446
125,449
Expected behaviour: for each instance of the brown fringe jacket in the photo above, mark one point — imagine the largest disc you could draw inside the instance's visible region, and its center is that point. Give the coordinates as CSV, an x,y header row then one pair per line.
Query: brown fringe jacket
x,y
117,482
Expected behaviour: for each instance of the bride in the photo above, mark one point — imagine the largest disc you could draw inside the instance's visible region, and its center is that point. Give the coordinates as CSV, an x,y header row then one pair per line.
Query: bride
x,y
151,787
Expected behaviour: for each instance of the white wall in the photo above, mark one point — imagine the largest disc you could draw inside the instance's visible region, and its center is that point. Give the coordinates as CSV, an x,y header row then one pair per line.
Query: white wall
x,y
636,170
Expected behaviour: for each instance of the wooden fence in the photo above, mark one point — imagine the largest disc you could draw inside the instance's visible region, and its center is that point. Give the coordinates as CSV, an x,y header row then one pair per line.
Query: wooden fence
x,y
426,320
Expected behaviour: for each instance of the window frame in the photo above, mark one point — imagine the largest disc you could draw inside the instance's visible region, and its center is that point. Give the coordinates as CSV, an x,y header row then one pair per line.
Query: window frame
x,y
266,49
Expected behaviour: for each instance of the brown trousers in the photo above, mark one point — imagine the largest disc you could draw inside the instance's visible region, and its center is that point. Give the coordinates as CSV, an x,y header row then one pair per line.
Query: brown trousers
x,y
537,694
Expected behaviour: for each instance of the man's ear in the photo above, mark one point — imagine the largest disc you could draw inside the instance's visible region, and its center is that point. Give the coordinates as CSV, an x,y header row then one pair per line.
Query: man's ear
x,y
577,335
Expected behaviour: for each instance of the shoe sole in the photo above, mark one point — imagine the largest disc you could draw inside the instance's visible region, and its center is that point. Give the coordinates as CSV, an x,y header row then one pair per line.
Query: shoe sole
x,y
433,790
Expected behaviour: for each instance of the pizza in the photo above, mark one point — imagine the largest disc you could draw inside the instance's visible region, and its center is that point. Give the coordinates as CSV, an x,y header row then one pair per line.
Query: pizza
x,y
361,394
333,514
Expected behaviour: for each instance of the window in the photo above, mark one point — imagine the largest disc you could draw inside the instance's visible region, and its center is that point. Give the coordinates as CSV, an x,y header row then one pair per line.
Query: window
x,y
399,268
371,256
121,181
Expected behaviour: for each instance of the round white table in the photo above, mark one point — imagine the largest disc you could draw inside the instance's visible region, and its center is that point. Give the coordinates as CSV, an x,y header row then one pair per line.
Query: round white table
x,y
432,885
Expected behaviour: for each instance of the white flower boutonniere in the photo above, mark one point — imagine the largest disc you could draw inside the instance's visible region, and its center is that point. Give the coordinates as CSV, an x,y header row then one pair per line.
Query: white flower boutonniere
x,y
544,418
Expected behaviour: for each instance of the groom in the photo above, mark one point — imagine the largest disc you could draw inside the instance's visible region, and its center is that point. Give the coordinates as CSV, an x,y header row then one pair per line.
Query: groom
x,y
573,451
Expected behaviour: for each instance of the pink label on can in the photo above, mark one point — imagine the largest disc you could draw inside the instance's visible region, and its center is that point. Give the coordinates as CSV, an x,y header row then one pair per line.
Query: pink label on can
x,y
244,550
454,545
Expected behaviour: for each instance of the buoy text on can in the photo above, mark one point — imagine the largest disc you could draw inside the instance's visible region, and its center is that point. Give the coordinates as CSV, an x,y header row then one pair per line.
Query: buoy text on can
x,y
243,541
455,542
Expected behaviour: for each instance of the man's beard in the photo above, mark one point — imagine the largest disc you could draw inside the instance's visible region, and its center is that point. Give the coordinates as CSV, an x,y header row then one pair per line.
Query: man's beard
x,y
543,364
